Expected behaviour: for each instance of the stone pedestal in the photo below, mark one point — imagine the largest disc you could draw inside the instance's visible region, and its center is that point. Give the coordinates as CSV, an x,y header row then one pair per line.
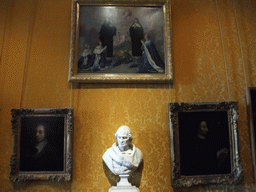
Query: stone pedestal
x,y
123,185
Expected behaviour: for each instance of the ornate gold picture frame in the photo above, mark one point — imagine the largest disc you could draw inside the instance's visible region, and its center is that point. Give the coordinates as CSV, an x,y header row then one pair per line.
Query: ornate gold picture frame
x,y
120,42
204,144
42,144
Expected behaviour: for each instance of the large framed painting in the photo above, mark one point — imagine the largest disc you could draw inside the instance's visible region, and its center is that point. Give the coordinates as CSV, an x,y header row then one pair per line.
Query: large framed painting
x,y
42,144
120,42
251,111
204,143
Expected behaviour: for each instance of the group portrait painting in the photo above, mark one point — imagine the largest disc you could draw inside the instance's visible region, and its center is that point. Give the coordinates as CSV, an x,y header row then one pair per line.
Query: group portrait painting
x,y
120,39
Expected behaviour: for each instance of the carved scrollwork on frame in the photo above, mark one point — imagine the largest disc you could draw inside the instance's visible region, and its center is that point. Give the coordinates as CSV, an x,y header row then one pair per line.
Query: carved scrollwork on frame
x,y
204,144
42,144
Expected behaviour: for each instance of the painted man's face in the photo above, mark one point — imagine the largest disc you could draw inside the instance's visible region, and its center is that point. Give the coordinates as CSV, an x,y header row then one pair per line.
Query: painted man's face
x,y
203,130
40,133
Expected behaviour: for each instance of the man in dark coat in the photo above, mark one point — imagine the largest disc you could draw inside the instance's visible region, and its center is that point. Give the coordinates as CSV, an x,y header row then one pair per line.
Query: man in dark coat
x,y
106,33
204,156
42,157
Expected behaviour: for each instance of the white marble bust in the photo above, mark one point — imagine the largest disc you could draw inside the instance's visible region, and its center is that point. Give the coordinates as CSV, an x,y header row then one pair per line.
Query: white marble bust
x,y
123,157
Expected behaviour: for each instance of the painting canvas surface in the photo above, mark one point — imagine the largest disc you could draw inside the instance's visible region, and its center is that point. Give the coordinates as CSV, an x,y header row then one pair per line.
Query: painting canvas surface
x,y
202,148
110,39
45,155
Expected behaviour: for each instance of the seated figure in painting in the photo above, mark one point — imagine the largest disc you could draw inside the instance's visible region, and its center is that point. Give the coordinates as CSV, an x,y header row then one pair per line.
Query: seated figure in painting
x,y
86,59
123,157
150,61
100,58
204,156
43,156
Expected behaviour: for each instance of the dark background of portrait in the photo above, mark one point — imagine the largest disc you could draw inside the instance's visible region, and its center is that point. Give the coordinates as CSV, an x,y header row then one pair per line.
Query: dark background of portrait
x,y
217,123
54,128
253,101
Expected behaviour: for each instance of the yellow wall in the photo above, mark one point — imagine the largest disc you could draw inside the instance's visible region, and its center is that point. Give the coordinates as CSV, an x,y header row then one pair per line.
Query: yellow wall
x,y
213,46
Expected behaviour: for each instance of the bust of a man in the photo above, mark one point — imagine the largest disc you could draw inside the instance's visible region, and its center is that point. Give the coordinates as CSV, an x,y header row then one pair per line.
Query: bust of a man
x,y
123,157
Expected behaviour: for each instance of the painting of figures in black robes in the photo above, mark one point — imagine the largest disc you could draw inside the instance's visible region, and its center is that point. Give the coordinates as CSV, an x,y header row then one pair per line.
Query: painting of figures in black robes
x,y
121,39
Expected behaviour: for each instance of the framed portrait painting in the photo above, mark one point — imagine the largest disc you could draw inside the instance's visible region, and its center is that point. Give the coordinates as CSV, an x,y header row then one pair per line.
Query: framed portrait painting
x,y
42,144
204,147
251,111
120,42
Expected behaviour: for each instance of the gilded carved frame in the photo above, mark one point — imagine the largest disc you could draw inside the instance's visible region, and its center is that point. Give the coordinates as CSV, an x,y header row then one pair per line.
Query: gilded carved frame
x,y
190,114
59,123
95,77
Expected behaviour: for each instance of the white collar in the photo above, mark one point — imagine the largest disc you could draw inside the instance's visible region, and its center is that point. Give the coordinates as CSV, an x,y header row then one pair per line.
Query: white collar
x,y
136,25
130,151
201,137
41,146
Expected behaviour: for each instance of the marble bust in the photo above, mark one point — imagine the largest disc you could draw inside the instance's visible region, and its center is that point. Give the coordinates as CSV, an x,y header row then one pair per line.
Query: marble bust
x,y
123,157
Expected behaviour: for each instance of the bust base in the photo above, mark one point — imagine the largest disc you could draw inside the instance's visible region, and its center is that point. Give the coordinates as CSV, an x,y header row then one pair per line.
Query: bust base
x,y
123,189
123,185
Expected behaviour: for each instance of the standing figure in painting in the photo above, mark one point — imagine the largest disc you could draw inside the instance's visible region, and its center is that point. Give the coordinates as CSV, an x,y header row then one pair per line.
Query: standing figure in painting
x,y
43,156
136,34
150,60
100,58
106,33
205,156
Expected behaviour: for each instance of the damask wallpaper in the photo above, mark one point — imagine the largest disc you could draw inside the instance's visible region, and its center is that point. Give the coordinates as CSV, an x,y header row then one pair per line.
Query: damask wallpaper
x,y
213,52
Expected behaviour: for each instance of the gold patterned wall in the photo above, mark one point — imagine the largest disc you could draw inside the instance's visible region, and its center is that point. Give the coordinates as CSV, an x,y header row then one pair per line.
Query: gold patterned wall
x,y
213,51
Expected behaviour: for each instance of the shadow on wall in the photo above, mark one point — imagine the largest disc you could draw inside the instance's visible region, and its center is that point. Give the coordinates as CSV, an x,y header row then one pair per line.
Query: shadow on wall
x,y
122,86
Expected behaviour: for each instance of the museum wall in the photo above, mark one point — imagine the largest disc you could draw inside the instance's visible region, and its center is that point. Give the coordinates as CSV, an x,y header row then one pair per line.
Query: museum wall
x,y
214,56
